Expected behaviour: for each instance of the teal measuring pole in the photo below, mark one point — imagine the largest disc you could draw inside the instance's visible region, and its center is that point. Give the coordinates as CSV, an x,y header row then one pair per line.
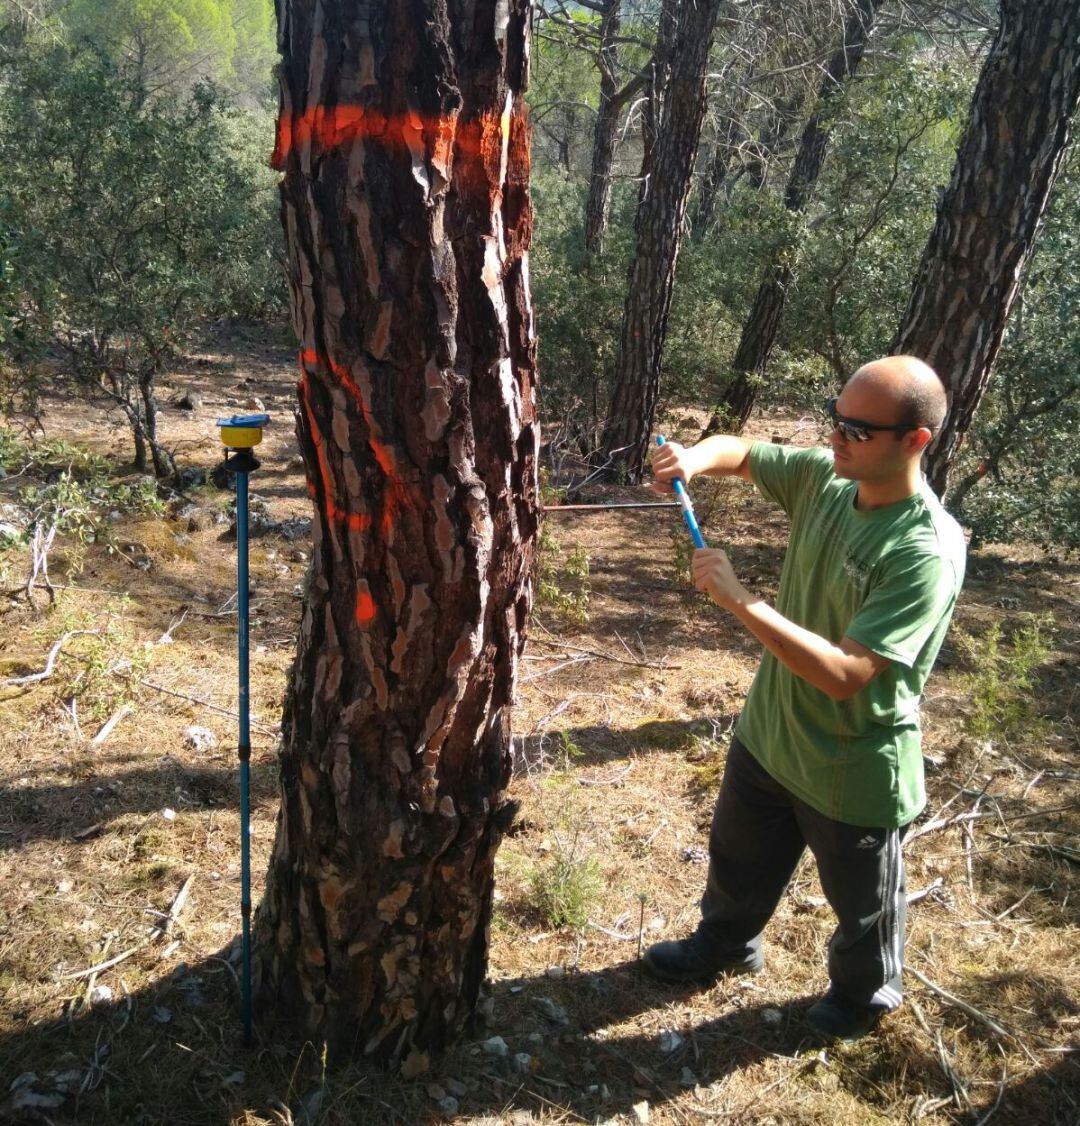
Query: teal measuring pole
x,y
687,506
240,434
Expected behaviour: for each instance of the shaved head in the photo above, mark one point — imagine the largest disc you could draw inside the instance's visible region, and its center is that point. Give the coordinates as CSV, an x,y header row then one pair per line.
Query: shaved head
x,y
911,386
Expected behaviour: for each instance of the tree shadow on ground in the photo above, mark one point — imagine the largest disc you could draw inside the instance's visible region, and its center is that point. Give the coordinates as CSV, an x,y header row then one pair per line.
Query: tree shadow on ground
x,y
79,811
172,1053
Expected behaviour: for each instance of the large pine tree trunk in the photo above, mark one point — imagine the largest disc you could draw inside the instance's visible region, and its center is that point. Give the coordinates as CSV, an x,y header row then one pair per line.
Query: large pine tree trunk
x,y
659,229
989,217
404,148
763,322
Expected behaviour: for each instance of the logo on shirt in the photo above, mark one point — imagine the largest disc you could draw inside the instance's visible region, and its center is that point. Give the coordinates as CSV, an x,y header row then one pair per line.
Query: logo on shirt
x,y
869,841
857,571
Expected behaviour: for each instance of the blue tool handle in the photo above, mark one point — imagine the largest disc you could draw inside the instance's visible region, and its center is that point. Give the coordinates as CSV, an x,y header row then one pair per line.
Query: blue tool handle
x,y
687,507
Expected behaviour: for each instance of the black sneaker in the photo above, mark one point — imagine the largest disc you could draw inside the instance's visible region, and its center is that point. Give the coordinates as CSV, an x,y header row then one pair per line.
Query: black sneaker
x,y
679,960
834,1017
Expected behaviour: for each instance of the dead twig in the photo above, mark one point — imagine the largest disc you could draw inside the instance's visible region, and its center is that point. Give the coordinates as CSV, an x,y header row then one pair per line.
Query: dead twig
x,y
102,966
961,818
597,653
971,1011
109,725
50,662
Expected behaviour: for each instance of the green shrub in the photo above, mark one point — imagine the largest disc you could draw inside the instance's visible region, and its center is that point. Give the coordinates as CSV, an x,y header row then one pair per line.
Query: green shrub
x,y
565,888
1000,685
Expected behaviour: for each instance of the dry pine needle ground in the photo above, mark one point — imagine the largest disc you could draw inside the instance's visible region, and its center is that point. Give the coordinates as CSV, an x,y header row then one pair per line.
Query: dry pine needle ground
x,y
128,848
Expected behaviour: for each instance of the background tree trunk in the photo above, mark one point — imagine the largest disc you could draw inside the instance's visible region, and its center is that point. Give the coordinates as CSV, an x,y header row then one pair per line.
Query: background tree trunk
x,y
406,207
659,228
598,200
763,323
989,216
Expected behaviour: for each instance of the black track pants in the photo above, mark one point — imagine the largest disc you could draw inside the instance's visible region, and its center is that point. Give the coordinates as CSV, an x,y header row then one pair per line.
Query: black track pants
x,y
758,833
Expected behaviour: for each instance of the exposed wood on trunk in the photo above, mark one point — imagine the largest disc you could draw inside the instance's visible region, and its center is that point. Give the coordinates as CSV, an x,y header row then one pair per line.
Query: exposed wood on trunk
x,y
405,154
763,322
989,216
671,147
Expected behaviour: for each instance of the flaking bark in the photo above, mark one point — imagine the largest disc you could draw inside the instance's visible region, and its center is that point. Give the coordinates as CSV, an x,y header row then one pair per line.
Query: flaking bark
x,y
405,154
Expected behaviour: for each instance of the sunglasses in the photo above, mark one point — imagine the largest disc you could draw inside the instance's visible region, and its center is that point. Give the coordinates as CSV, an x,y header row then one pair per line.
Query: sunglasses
x,y
854,429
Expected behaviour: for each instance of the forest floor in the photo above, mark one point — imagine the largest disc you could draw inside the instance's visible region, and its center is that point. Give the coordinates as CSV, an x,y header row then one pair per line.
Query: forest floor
x,y
631,685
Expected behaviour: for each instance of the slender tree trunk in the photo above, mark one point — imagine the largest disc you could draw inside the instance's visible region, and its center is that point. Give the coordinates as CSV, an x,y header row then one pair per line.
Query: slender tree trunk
x,y
989,217
729,137
406,207
659,228
598,200
763,323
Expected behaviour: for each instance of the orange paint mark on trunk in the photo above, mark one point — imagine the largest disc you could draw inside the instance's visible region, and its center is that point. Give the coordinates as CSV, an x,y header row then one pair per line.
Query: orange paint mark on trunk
x,y
365,607
326,128
399,494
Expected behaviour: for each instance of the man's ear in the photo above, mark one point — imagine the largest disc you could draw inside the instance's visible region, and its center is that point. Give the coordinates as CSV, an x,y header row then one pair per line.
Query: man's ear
x,y
919,438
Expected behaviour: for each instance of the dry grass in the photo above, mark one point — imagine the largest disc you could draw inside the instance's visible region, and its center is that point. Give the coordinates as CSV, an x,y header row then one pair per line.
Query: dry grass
x,y
619,761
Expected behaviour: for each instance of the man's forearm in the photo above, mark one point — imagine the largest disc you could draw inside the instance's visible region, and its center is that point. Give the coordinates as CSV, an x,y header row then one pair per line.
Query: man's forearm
x,y
836,670
722,455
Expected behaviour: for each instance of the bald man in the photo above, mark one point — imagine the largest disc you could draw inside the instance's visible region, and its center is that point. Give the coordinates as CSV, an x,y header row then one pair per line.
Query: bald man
x,y
827,751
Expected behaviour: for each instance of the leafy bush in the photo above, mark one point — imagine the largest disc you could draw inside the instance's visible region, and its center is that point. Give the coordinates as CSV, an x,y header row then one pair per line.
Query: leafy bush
x,y
133,217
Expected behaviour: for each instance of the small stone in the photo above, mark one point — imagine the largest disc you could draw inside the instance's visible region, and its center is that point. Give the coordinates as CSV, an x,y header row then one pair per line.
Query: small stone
x,y
772,1017
495,1047
160,1015
534,1039
169,814
456,1088
694,854
641,1112
687,1078
556,972
416,1064
555,1013
448,1106
670,1041
101,995
236,1079
522,1063
199,738
64,886
435,1091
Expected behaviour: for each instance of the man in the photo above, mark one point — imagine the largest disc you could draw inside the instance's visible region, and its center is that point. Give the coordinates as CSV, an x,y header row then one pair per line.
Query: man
x,y
827,750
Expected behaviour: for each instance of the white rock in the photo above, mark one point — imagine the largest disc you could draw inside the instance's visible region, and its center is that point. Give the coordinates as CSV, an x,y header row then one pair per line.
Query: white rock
x,y
641,1112
199,738
670,1041
556,972
522,1063
496,1047
772,1017
168,814
448,1106
101,995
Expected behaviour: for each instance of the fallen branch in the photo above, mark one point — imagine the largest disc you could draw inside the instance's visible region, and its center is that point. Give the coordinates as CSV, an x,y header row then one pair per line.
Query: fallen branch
x,y
975,1014
108,726
597,653
196,700
101,966
978,815
178,904
922,893
50,663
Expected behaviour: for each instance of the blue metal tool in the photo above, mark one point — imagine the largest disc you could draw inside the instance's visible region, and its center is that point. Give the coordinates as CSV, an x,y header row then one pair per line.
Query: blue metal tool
x,y
240,434
687,506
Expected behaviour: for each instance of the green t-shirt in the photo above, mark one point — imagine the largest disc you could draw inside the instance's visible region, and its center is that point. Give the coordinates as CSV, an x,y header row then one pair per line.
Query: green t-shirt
x,y
887,578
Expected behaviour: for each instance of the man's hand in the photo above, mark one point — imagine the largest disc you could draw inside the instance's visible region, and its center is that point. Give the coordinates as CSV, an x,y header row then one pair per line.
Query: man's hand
x,y
714,575
667,462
